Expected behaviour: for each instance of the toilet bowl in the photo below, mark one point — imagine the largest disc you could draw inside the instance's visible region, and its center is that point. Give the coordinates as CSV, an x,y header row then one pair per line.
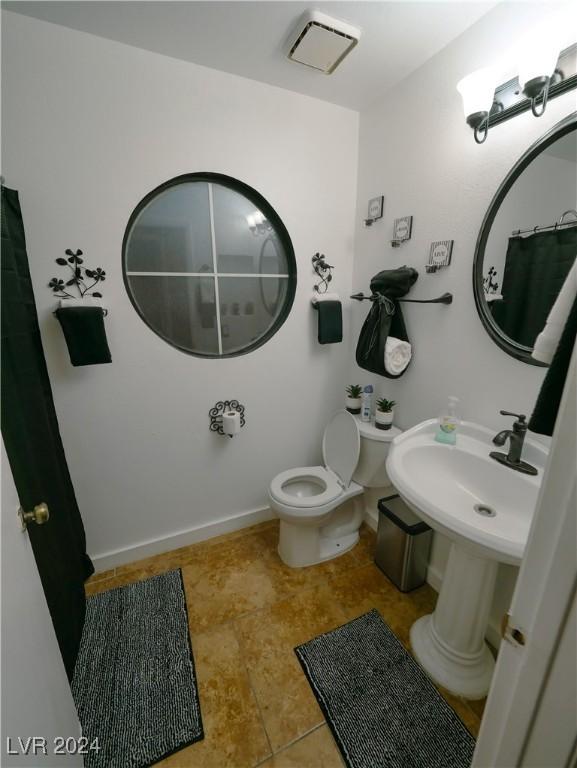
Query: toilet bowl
x,y
315,522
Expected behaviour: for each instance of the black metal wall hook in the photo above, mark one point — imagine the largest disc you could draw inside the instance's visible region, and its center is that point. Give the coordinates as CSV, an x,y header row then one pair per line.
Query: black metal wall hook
x,y
446,298
217,411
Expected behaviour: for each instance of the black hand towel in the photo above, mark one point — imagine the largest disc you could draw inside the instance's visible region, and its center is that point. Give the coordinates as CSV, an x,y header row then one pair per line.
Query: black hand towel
x,y
545,413
330,321
85,334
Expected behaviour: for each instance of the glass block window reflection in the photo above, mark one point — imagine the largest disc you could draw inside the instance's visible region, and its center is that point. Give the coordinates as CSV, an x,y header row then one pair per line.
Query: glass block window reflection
x,y
209,266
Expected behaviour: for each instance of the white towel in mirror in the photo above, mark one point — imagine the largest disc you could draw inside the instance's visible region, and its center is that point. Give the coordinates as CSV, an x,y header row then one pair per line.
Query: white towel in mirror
x,y
547,341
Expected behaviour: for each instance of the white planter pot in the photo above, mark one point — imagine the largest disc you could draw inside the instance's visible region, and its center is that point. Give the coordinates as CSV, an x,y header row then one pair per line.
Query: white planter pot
x,y
384,419
353,404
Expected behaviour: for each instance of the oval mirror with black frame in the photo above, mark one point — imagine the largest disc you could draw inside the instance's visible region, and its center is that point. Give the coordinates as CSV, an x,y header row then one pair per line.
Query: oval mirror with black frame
x,y
209,265
528,242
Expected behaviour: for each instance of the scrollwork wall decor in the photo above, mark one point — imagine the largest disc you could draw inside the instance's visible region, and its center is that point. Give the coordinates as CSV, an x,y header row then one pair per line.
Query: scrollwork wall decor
x,y
217,412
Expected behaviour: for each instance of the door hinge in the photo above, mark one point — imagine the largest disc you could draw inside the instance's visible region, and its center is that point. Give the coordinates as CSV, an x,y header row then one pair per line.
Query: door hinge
x,y
511,633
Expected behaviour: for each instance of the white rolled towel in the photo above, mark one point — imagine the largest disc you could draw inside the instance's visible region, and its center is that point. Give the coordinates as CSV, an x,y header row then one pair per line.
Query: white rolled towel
x,y
318,297
397,355
547,341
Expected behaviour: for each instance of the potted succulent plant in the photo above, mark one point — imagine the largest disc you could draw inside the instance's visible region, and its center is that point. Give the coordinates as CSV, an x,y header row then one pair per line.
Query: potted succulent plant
x,y
384,413
353,401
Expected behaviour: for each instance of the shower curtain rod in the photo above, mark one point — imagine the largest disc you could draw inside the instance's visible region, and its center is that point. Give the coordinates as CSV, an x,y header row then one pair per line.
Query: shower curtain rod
x,y
557,224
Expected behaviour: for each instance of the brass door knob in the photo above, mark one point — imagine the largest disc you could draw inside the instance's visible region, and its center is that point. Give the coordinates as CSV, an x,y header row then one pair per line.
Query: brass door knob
x,y
39,515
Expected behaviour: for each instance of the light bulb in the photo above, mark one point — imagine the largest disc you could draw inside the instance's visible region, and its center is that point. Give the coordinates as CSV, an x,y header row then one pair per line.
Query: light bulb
x,y
258,217
251,221
537,63
477,91
538,56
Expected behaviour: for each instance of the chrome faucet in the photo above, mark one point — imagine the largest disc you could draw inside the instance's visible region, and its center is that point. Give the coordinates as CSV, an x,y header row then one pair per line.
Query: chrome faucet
x,y
516,437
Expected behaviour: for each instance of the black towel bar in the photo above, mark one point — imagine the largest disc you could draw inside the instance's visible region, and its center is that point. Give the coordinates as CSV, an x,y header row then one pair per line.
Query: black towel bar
x,y
446,298
104,311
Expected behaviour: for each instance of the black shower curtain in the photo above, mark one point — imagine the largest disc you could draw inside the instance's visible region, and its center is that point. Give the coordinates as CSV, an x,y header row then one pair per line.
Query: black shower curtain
x,y
32,439
535,269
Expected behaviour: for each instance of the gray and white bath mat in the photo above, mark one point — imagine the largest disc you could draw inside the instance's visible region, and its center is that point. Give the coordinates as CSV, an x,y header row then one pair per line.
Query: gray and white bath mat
x,y
381,707
134,683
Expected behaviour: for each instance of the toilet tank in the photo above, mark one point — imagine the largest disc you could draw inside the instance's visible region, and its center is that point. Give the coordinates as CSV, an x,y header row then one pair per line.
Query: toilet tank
x,y
375,443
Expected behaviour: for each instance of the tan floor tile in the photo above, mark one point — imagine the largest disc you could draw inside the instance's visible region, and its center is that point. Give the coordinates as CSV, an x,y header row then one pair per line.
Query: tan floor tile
x,y
360,590
364,552
461,708
101,576
227,581
164,562
478,707
233,733
268,638
95,587
289,580
177,557
249,676
316,750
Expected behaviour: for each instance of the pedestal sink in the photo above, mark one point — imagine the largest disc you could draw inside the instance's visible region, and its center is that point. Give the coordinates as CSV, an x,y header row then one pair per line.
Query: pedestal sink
x,y
485,509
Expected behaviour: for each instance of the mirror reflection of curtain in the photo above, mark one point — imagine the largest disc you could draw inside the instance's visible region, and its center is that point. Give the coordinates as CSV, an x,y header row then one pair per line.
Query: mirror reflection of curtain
x,y
535,269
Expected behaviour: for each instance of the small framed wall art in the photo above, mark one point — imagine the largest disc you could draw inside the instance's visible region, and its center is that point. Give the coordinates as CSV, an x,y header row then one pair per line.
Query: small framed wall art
x,y
402,229
439,255
375,210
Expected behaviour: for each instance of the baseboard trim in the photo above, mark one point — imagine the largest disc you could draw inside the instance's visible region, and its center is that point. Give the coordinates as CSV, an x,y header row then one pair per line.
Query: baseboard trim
x,y
142,549
371,520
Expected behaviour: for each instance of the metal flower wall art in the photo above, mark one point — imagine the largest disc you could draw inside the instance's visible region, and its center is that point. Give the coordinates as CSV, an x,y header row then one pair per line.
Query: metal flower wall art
x,y
82,279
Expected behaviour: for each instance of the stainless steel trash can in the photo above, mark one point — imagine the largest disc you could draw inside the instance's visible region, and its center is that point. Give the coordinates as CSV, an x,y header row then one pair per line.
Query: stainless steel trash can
x,y
403,544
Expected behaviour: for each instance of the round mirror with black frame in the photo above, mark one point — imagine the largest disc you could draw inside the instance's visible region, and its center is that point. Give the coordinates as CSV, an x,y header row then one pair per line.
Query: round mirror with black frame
x,y
209,265
528,242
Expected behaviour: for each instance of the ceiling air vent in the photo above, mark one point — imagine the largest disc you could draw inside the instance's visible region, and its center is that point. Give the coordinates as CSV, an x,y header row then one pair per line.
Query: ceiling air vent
x,y
322,42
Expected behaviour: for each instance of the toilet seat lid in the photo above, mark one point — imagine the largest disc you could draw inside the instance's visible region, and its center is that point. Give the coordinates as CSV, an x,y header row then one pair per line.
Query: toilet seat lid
x,y
341,446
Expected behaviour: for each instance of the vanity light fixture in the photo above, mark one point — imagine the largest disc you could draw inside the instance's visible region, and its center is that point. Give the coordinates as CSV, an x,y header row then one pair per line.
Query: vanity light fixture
x,y
477,91
258,224
544,68
537,67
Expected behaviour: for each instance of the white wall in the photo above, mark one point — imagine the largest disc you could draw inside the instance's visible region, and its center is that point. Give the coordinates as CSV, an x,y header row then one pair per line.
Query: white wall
x,y
416,149
90,126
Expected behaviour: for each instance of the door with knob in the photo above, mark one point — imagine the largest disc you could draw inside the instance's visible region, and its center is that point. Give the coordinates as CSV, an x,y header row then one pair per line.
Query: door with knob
x,y
31,435
37,705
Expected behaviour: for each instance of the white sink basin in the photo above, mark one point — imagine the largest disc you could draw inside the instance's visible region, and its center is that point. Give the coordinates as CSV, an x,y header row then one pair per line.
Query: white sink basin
x,y
485,508
460,491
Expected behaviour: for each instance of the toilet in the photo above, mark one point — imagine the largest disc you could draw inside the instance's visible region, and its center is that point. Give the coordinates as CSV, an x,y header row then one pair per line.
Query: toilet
x,y
315,522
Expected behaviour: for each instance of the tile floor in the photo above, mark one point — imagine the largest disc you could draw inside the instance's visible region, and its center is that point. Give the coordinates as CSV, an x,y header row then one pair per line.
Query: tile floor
x,y
247,611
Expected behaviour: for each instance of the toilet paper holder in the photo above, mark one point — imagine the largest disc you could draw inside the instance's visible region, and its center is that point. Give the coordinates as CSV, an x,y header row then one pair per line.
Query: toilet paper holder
x,y
217,413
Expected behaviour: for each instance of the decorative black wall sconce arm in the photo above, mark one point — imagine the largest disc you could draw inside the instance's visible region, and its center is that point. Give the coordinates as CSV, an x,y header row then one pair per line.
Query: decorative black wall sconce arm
x,y
324,271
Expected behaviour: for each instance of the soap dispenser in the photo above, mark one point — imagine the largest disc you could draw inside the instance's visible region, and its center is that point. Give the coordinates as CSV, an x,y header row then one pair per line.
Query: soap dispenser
x,y
448,423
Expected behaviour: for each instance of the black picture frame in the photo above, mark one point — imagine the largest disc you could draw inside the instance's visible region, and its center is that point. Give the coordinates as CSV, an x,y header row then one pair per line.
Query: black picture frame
x,y
508,345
